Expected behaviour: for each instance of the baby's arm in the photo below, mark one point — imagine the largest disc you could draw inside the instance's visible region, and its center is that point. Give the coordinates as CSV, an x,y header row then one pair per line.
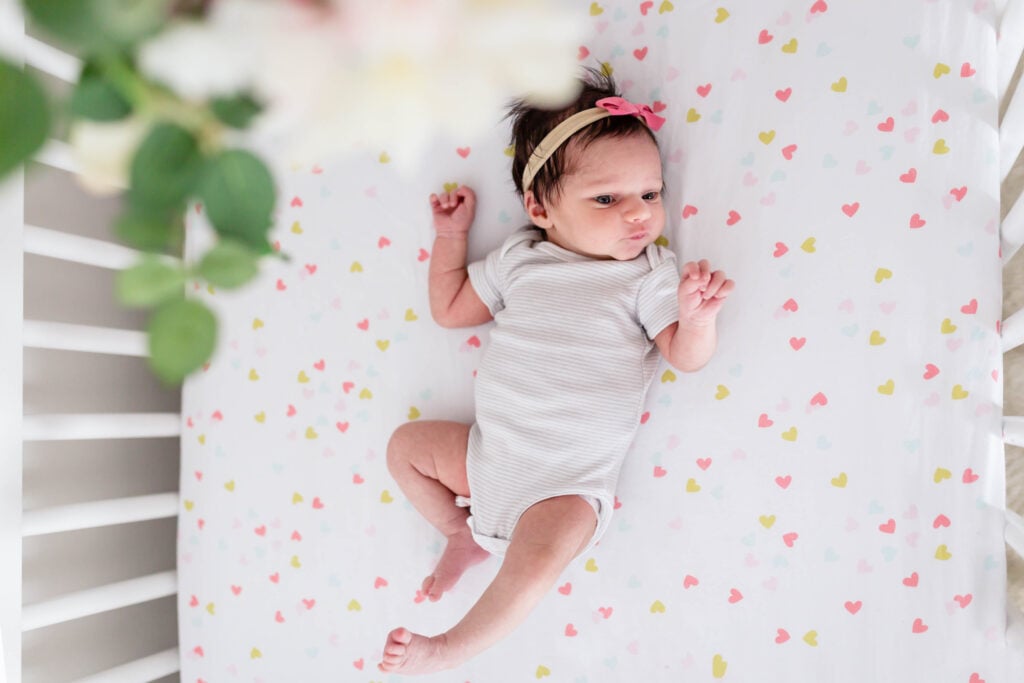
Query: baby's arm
x,y
453,301
689,344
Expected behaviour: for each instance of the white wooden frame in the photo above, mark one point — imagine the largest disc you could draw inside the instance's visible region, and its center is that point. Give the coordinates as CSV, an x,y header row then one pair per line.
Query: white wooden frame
x,y
12,190
17,334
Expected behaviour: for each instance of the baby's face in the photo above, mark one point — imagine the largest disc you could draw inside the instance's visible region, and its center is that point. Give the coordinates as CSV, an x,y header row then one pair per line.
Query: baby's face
x,y
610,206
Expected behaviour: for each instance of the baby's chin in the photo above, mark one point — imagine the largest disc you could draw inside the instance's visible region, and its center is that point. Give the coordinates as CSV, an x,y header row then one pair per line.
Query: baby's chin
x,y
629,249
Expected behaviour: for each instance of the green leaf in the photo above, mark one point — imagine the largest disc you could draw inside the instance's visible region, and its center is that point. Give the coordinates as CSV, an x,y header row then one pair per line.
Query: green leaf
x,y
237,111
95,26
228,265
182,336
238,192
24,117
150,282
98,100
166,167
151,229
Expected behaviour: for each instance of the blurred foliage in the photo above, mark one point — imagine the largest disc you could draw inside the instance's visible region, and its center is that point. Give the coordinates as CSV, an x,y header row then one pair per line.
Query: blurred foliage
x,y
180,159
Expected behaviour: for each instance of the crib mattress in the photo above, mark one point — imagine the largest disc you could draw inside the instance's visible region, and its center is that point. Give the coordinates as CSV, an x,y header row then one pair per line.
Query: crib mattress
x,y
821,502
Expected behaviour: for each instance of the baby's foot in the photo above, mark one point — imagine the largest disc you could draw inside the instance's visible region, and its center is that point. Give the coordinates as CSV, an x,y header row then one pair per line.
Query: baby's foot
x,y
409,653
461,553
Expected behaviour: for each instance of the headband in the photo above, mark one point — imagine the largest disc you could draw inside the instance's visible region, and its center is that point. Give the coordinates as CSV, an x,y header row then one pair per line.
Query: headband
x,y
608,106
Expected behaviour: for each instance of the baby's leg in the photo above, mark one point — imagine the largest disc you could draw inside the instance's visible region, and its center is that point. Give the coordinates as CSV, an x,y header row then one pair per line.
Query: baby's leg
x,y
428,460
548,536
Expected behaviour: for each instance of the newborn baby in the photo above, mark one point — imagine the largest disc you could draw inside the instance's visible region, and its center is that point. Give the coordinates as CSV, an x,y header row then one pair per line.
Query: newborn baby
x,y
583,302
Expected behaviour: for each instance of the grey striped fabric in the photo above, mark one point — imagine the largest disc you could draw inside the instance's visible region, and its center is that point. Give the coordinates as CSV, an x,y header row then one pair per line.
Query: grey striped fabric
x,y
560,388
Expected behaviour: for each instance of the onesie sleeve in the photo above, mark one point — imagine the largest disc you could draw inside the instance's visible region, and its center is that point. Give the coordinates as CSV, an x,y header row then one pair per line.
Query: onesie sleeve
x,y
486,277
658,299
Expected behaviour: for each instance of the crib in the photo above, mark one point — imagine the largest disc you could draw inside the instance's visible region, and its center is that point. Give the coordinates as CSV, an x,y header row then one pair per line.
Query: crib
x,y
126,624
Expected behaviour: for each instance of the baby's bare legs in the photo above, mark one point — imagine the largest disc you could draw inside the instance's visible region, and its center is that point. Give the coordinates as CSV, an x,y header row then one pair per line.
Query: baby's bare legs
x,y
548,536
428,460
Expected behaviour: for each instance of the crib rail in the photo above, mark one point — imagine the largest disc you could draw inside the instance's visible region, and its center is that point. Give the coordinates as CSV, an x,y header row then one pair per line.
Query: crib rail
x,y
49,59
1010,47
98,513
95,600
100,426
146,669
11,404
1012,232
40,334
1013,331
1013,432
85,250
1015,532
1011,133
58,523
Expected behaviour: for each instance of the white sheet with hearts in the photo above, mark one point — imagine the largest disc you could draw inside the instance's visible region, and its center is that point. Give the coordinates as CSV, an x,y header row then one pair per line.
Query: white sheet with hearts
x,y
821,502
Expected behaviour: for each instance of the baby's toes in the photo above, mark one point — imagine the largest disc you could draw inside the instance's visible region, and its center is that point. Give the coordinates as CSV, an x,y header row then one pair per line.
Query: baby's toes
x,y
401,636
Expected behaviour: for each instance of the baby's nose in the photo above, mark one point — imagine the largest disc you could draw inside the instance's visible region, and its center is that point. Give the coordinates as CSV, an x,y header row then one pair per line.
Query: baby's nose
x,y
637,210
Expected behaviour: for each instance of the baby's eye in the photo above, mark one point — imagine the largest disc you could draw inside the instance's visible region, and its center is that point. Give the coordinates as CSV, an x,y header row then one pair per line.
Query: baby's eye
x,y
603,199
651,196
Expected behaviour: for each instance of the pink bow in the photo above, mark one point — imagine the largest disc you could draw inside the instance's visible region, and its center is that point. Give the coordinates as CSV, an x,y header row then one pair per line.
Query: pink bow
x,y
618,106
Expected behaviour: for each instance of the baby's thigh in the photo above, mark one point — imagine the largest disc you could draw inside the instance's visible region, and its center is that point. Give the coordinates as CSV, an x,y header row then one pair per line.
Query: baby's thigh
x,y
437,449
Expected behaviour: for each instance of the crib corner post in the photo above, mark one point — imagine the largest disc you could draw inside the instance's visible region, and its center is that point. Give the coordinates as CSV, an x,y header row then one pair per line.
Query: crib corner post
x,y
12,221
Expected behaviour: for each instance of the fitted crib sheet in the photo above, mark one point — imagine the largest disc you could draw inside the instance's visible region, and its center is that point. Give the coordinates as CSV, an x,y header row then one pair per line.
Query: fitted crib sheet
x,y
821,502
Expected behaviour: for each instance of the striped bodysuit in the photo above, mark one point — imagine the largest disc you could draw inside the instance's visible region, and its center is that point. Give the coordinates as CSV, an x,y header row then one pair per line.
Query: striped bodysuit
x,y
561,387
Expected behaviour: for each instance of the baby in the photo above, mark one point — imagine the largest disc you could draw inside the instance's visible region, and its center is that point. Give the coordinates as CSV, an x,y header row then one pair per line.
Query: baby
x,y
583,301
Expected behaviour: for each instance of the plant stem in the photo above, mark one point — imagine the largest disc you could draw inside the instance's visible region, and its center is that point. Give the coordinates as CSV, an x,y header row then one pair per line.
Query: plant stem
x,y
154,102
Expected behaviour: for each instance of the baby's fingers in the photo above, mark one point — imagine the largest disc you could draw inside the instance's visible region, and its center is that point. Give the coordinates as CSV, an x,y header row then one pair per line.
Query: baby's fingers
x,y
466,194
689,285
692,279
720,287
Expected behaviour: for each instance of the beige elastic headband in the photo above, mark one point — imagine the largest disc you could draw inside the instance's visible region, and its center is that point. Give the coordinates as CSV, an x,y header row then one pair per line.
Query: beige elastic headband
x,y
556,138
608,106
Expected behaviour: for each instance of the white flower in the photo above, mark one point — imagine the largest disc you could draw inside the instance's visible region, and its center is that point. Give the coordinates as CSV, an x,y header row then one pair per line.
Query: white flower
x,y
384,74
199,60
103,152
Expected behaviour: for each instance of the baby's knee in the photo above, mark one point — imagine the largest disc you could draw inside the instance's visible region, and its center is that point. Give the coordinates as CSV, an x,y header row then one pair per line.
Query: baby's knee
x,y
399,445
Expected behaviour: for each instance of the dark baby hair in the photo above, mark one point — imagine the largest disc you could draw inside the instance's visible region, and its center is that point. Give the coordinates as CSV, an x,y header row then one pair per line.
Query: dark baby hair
x,y
530,125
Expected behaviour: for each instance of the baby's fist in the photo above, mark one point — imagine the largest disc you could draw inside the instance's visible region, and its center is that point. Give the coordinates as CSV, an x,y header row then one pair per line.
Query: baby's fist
x,y
701,293
453,211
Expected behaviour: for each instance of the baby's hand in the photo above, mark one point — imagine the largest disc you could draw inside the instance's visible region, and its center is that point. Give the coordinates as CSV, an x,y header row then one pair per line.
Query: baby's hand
x,y
453,211
701,293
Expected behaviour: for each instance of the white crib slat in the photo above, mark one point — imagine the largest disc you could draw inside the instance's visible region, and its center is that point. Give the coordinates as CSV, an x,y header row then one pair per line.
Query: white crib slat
x,y
91,252
40,334
1011,233
149,668
68,247
49,59
1015,531
1013,430
100,426
1013,331
99,513
57,153
1011,133
96,600
1011,43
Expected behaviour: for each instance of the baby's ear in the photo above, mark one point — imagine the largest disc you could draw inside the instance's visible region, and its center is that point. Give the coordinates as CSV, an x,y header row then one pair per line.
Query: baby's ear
x,y
536,211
